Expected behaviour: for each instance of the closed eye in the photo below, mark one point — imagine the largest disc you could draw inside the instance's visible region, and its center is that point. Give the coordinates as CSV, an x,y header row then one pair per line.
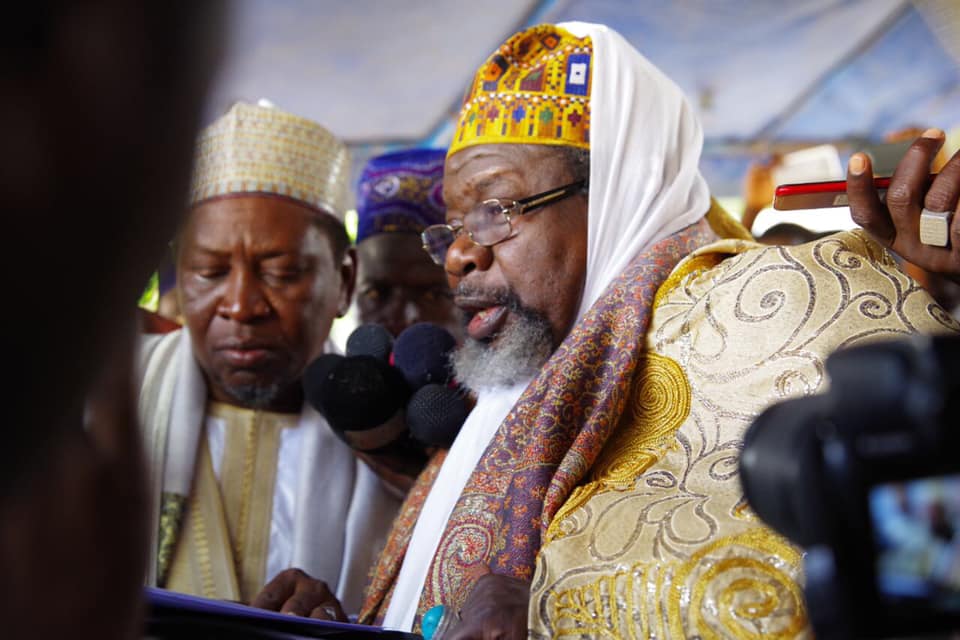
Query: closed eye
x,y
282,275
210,273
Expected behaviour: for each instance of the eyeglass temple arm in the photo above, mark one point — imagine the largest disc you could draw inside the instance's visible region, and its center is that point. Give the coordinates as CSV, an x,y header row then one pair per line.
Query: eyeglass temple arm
x,y
561,192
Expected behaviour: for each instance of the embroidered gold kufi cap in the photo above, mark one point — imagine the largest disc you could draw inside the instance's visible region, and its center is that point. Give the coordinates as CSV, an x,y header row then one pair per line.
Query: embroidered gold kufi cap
x,y
259,149
535,89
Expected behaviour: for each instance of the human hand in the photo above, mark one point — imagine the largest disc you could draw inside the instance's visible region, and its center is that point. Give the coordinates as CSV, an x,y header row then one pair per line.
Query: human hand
x,y
296,593
495,609
397,473
895,223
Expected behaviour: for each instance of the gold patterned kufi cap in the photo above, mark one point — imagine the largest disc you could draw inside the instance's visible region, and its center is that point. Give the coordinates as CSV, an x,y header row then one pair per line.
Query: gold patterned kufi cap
x,y
535,89
258,149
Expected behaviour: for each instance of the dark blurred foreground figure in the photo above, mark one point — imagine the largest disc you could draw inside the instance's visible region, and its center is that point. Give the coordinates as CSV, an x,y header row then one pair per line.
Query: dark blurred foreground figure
x,y
168,303
399,195
100,108
249,482
622,334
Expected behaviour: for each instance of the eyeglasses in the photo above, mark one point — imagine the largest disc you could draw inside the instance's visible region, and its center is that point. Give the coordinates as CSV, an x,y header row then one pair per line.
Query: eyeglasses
x,y
489,222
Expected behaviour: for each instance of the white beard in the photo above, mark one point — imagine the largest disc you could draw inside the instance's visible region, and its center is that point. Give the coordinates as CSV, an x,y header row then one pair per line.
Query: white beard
x,y
517,354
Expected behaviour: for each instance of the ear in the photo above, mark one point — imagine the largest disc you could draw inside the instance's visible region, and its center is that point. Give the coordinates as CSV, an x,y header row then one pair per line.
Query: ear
x,y
348,281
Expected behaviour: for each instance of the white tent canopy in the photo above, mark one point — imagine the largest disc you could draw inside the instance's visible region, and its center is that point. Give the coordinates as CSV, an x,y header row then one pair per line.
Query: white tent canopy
x,y
382,74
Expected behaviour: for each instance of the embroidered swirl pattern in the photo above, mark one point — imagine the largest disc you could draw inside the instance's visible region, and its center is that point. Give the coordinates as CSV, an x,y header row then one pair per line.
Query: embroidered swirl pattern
x,y
675,552
737,587
659,403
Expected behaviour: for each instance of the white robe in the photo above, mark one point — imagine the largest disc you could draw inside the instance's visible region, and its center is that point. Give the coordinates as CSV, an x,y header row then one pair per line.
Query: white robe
x,y
331,514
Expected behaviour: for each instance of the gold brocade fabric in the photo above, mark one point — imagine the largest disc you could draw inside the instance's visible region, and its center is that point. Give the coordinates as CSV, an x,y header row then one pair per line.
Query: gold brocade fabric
x,y
173,506
659,542
222,552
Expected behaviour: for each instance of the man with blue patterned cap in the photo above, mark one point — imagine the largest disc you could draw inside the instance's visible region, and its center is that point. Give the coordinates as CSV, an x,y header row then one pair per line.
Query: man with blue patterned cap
x,y
398,196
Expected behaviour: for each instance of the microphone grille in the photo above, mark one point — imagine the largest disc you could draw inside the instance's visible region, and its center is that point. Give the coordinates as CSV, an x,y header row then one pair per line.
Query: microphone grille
x,y
315,376
435,414
422,352
370,340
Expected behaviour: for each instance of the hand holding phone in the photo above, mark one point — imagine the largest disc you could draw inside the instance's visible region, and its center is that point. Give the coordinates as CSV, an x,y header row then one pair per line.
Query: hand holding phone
x,y
894,221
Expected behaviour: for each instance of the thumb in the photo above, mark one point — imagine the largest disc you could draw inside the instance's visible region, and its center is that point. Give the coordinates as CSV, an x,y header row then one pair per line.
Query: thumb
x,y
476,571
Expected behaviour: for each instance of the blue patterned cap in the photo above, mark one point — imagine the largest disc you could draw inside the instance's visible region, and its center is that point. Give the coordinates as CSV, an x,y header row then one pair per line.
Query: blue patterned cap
x,y
401,191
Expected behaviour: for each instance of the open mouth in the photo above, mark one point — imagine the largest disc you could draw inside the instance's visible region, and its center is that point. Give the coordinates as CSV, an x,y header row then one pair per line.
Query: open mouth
x,y
485,317
487,322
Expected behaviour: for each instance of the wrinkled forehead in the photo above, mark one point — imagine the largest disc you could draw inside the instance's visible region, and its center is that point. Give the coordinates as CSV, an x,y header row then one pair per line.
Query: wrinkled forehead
x,y
477,167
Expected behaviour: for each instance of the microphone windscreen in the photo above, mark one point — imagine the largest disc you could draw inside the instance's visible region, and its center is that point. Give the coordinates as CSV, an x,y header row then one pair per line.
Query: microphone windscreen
x,y
422,353
435,414
361,392
316,374
370,340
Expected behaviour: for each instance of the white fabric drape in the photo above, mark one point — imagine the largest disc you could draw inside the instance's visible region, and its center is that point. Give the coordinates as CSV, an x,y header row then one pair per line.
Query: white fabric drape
x,y
645,184
337,512
645,144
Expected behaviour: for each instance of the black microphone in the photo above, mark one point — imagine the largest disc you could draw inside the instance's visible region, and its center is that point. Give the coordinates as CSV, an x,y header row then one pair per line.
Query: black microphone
x,y
422,353
368,402
370,340
362,398
435,414
318,371
438,407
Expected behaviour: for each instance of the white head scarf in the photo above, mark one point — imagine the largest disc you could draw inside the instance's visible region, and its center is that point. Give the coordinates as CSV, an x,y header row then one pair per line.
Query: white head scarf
x,y
645,184
645,144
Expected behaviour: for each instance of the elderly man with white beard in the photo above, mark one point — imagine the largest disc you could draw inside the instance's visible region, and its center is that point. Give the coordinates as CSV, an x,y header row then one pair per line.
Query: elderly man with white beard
x,y
622,334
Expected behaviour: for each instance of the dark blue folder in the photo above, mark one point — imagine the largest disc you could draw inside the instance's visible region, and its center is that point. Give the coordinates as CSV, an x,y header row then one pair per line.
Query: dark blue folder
x,y
175,615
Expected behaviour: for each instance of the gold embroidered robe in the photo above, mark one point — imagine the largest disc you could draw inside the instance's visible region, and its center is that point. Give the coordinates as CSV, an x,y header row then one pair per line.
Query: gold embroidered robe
x,y
659,541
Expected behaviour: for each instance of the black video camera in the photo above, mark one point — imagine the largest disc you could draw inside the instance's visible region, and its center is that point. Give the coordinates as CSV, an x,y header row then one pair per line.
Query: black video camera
x,y
866,478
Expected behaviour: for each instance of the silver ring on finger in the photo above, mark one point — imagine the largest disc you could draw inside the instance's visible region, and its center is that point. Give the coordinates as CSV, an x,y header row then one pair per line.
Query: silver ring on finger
x,y
935,227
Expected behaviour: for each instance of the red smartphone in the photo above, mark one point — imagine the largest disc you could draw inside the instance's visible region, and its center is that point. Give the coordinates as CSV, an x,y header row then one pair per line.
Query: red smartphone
x,y
821,195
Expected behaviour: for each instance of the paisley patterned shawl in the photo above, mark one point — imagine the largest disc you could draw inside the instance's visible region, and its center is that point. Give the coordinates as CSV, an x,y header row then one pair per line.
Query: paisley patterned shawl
x,y
383,574
552,437
644,215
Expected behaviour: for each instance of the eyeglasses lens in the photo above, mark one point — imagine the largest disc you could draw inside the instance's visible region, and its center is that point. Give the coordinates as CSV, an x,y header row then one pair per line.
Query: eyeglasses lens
x,y
436,240
487,223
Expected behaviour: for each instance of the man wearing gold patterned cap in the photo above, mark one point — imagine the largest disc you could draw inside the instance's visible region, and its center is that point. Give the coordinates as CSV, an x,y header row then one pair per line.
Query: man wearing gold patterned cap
x,y
249,481
623,332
